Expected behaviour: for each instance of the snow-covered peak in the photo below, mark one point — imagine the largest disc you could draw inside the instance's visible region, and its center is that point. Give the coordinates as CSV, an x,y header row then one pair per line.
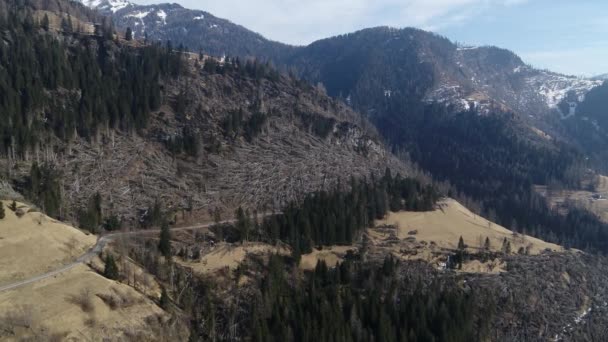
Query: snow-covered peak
x,y
107,5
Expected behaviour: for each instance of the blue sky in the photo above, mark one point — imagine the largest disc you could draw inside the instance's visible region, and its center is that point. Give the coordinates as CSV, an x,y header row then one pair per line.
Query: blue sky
x,y
568,36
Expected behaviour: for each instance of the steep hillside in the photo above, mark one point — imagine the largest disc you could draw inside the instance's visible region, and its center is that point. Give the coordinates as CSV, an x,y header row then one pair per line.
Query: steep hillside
x,y
24,231
368,68
588,121
78,304
141,124
480,77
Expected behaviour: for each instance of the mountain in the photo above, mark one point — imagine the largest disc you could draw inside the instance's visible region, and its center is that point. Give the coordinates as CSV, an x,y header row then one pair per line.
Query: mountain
x,y
319,231
197,30
424,94
380,62
485,78
480,77
462,75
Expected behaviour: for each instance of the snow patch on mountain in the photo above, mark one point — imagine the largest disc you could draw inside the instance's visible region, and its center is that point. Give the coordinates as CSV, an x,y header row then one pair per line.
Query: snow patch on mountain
x,y
107,5
465,48
200,17
139,14
163,16
92,3
554,87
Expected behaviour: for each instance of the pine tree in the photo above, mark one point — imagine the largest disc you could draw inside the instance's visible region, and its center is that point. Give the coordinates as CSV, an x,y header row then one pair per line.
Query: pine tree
x,y
45,23
164,245
242,223
506,246
111,269
164,299
129,34
2,213
66,25
486,245
461,245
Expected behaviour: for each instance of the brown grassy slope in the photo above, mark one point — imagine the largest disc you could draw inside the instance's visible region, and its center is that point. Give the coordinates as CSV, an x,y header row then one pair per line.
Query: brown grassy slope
x,y
452,220
34,244
70,307
76,305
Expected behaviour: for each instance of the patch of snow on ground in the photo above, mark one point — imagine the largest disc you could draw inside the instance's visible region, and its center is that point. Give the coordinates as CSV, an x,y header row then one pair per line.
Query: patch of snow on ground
x,y
117,5
464,48
139,14
200,17
92,3
554,88
163,16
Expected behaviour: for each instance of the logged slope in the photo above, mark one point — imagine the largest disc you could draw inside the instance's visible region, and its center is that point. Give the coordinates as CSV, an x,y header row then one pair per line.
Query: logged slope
x,y
138,124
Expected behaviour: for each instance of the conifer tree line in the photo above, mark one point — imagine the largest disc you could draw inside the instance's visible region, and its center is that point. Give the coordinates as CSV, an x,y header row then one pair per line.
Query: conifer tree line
x,y
73,87
44,188
355,301
337,216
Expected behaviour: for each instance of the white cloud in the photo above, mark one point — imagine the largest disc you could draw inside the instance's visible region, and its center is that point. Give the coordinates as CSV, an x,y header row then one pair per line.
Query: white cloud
x,y
301,22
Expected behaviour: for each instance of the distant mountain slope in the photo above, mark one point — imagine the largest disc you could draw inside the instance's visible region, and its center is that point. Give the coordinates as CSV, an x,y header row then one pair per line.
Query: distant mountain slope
x,y
485,77
411,62
197,30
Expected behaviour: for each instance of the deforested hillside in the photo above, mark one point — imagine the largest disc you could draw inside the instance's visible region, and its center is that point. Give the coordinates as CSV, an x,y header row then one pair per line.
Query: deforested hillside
x,y
101,126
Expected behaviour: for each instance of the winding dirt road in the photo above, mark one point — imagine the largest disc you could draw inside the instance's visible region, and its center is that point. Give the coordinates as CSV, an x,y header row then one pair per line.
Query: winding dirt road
x,y
102,241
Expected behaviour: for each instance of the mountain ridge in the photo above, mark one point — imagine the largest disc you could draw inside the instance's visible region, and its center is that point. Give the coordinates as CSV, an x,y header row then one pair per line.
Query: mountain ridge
x,y
458,76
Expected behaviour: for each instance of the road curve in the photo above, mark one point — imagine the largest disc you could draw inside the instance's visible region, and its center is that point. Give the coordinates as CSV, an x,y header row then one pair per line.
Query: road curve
x,y
102,241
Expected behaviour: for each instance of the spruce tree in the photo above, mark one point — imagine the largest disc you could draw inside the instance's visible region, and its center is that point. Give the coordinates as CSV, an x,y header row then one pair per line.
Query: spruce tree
x,y
461,245
129,34
242,224
164,245
164,299
506,246
486,245
45,23
111,269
